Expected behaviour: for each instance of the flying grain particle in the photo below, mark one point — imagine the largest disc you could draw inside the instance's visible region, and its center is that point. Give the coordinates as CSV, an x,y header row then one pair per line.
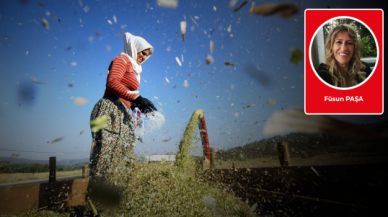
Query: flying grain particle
x,y
229,64
107,48
296,55
253,105
167,80
293,87
178,61
271,102
253,207
33,80
214,7
27,53
48,13
80,3
166,140
45,24
120,33
211,47
185,84
98,123
196,17
160,104
81,132
86,9
232,3
182,58
209,59
49,55
57,139
41,4
231,35
252,6
73,63
240,6
110,22
80,101
236,114
232,104
285,10
315,171
168,48
155,97
114,19
168,3
98,33
14,155
183,30
231,86
194,22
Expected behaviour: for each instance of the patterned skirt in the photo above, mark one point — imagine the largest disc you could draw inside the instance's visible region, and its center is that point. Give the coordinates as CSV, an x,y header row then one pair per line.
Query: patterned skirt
x,y
112,156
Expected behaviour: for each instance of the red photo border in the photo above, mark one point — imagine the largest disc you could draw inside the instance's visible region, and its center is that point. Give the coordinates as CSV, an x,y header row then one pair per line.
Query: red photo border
x,y
369,94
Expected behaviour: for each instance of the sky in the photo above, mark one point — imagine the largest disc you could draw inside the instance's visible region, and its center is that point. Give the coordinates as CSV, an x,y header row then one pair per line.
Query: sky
x,y
70,60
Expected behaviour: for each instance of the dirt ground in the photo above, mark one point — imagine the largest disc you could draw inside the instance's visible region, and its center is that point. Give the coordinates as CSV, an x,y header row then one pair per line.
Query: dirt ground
x,y
318,160
20,177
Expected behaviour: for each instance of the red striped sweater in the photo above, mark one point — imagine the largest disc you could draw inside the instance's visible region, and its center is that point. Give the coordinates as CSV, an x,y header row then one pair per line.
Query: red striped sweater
x,y
121,79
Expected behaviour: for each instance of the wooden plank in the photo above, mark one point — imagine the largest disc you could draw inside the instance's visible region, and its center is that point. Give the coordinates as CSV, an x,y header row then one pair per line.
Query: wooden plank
x,y
52,168
49,195
282,155
39,181
85,171
19,199
287,153
78,193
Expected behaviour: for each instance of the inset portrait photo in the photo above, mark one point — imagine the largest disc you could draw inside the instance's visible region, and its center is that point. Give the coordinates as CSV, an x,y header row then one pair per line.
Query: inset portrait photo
x,y
344,53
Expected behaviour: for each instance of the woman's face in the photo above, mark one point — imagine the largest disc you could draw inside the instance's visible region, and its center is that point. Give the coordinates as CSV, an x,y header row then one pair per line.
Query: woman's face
x,y
141,56
343,48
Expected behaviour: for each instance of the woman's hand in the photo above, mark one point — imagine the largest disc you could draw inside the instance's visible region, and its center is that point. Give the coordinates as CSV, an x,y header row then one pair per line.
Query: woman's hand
x,y
144,105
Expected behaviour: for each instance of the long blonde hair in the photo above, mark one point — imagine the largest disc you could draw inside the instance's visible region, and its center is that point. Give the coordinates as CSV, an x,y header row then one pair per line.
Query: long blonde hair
x,y
355,64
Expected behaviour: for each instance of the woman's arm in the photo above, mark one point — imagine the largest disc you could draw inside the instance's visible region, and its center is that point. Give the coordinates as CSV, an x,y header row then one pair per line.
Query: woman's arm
x,y
120,65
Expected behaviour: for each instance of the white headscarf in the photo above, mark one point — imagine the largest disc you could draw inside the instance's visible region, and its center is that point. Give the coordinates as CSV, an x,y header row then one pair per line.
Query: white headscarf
x,y
132,46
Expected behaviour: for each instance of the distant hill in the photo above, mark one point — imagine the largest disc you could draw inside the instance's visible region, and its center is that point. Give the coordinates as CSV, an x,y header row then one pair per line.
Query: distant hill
x,y
71,162
307,145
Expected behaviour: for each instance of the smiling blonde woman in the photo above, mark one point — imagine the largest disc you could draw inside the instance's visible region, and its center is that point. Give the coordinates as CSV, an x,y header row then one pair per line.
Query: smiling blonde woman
x,y
343,66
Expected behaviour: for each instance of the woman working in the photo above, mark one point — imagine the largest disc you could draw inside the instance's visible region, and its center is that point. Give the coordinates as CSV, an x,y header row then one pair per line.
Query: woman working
x,y
112,155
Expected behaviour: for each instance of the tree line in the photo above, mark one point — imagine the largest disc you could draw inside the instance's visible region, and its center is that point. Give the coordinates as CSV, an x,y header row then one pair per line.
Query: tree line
x,y
35,168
